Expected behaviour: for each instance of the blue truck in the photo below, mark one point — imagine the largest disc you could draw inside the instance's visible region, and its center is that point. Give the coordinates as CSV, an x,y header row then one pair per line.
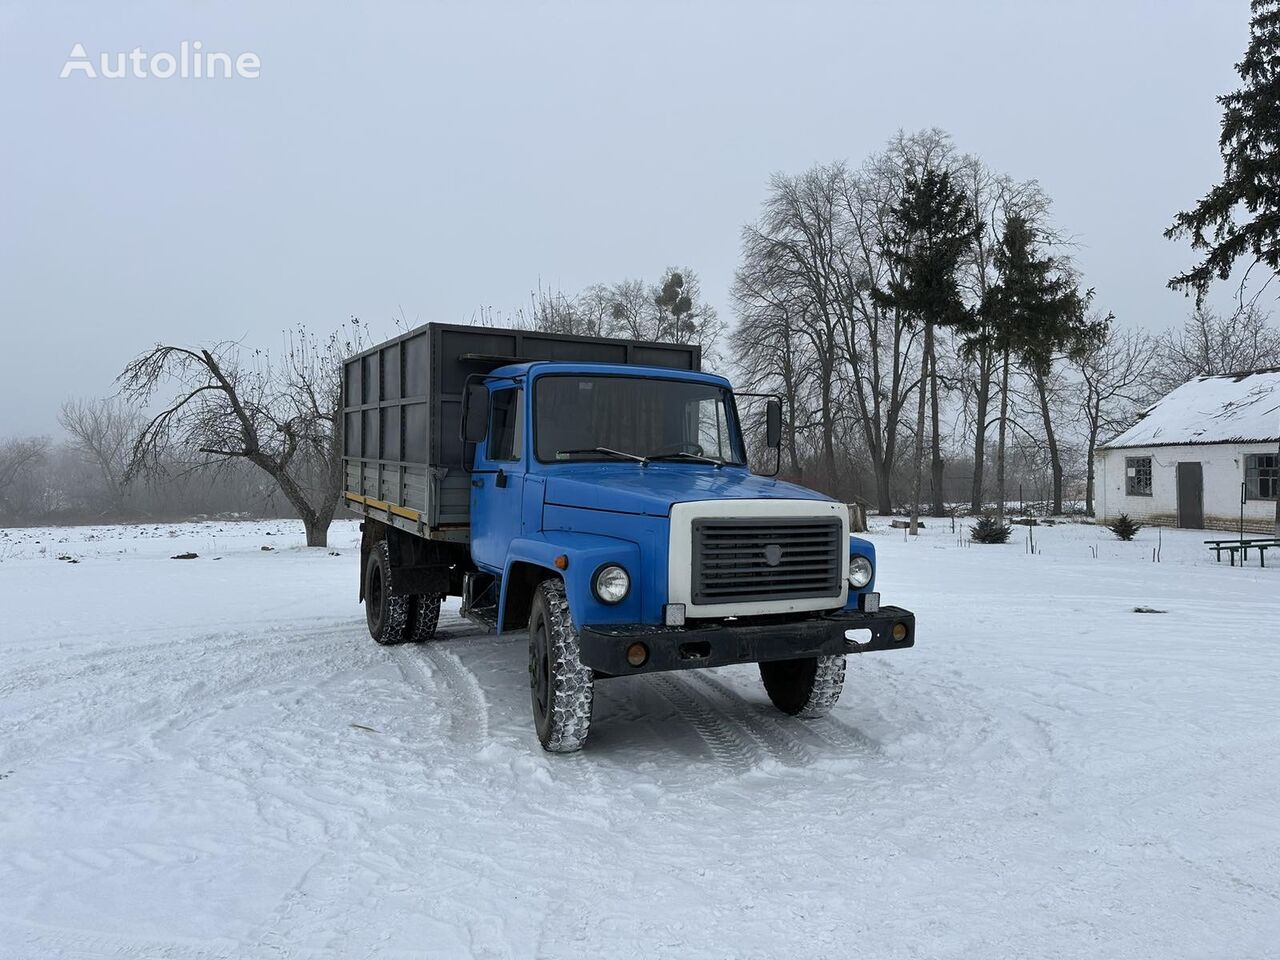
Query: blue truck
x,y
596,492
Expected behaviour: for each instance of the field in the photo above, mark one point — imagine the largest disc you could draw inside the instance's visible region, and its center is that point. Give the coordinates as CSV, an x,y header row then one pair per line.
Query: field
x,y
209,758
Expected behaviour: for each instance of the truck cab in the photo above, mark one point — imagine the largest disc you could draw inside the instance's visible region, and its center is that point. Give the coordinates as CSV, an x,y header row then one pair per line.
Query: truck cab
x,y
614,517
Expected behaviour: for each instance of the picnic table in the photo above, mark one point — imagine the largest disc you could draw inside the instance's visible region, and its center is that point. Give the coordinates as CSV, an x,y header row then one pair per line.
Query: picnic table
x,y
1242,546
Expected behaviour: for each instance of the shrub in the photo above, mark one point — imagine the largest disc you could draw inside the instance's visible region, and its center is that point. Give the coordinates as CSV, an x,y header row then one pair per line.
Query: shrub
x,y
1123,527
990,530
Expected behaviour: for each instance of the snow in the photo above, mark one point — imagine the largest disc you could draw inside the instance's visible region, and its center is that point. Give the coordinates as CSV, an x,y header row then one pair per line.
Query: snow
x,y
210,758
1216,409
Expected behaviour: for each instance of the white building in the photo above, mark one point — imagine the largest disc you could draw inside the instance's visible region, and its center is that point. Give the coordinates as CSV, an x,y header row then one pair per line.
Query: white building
x,y
1198,457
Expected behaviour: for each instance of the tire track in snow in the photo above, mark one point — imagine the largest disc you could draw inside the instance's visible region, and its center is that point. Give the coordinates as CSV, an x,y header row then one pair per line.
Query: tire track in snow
x,y
831,731
726,743
79,666
59,941
468,707
187,689
780,743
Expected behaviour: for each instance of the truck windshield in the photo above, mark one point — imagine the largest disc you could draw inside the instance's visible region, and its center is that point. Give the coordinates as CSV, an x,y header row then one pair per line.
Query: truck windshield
x,y
584,417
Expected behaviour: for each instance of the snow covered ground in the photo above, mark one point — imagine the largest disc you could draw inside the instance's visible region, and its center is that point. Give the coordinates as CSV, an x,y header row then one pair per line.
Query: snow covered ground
x,y
210,758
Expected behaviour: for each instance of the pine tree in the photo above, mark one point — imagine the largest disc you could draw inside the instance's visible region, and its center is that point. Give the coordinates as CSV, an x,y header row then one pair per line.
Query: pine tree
x,y
934,225
990,529
1037,312
1250,147
1239,218
1124,527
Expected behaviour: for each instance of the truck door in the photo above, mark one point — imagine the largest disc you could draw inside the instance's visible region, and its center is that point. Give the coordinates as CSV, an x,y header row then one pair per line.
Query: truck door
x,y
497,481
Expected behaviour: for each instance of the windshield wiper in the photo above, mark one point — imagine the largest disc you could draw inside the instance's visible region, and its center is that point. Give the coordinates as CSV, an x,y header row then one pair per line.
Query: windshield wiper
x,y
686,455
620,454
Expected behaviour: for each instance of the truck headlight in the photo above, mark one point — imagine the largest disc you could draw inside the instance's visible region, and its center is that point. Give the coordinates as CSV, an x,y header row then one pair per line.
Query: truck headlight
x,y
860,572
611,583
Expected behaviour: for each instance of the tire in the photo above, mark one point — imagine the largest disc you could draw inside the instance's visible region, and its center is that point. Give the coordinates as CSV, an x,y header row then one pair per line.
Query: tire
x,y
808,687
387,615
561,688
424,617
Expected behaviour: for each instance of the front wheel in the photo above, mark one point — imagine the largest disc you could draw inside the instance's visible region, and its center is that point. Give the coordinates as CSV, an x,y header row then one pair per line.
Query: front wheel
x,y
562,688
808,687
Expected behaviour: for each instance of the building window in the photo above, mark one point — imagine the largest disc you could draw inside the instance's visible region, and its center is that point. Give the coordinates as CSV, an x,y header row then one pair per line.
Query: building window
x,y
1137,476
1262,476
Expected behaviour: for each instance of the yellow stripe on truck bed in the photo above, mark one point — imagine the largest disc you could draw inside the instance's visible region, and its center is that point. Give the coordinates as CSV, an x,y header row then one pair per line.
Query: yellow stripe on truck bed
x,y
399,511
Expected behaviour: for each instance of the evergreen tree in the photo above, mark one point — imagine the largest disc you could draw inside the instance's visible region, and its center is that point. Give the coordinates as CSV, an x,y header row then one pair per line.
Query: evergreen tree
x,y
934,226
989,529
1124,527
1036,312
1240,217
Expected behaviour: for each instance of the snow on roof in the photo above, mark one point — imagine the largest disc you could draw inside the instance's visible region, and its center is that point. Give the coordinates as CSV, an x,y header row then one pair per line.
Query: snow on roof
x,y
1226,408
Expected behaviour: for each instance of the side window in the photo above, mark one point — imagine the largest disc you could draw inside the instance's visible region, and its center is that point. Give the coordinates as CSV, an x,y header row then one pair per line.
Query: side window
x,y
1262,476
506,425
1137,476
713,431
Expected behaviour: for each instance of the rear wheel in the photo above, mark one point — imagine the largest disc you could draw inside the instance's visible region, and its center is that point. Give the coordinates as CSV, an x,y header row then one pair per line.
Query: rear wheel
x,y
387,615
424,617
808,687
562,688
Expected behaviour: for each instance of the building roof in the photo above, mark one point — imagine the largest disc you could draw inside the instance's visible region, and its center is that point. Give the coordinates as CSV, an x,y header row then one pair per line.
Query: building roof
x,y
1226,408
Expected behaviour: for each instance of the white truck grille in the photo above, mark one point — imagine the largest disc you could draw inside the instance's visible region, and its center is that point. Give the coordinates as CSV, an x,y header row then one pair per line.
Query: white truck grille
x,y
750,557
766,559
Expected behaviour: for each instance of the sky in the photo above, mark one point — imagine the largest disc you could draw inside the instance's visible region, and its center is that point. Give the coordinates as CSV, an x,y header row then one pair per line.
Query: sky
x,y
438,161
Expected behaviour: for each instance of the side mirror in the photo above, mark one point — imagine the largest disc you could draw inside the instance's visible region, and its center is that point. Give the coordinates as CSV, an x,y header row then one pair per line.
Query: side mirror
x,y
475,412
773,424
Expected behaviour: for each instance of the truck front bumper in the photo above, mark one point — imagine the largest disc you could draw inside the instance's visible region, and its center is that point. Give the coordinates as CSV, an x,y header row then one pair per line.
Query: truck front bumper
x,y
604,647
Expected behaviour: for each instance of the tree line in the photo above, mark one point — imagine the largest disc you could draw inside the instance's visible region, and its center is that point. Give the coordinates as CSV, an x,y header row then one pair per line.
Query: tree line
x,y
922,307
931,360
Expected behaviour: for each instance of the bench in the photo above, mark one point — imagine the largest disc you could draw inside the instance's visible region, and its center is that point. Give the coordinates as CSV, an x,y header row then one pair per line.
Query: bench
x,y
1241,546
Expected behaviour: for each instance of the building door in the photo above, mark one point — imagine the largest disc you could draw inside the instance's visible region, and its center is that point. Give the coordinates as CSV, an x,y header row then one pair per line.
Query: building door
x,y
1190,496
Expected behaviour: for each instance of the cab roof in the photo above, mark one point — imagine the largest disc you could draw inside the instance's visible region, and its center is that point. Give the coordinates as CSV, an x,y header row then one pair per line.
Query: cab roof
x,y
537,368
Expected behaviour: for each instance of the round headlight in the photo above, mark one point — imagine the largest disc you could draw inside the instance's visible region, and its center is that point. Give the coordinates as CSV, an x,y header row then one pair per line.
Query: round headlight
x,y
859,572
611,583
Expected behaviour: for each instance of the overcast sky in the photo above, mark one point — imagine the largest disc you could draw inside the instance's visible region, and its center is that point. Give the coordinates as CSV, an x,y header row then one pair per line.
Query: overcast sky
x,y
444,158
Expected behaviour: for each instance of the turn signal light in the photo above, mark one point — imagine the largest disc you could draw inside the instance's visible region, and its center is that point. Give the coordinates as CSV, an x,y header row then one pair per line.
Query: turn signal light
x,y
899,632
637,654
562,562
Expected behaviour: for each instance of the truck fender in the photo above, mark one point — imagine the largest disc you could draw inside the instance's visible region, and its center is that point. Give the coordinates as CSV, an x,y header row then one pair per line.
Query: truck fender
x,y
531,559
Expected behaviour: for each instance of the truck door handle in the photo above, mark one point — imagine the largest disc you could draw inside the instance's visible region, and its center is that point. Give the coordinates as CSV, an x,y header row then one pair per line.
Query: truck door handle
x,y
477,482
501,479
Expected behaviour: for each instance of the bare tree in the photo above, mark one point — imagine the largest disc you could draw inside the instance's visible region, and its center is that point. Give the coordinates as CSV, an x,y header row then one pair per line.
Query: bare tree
x,y
284,416
17,457
1210,344
770,357
673,311
103,432
878,339
554,312
1116,374
794,248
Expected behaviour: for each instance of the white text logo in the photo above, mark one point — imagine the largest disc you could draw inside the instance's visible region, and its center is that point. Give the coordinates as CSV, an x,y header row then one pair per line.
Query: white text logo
x,y
190,62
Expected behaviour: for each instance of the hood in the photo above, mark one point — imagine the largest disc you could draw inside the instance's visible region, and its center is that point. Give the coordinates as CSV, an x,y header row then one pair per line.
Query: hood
x,y
651,490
